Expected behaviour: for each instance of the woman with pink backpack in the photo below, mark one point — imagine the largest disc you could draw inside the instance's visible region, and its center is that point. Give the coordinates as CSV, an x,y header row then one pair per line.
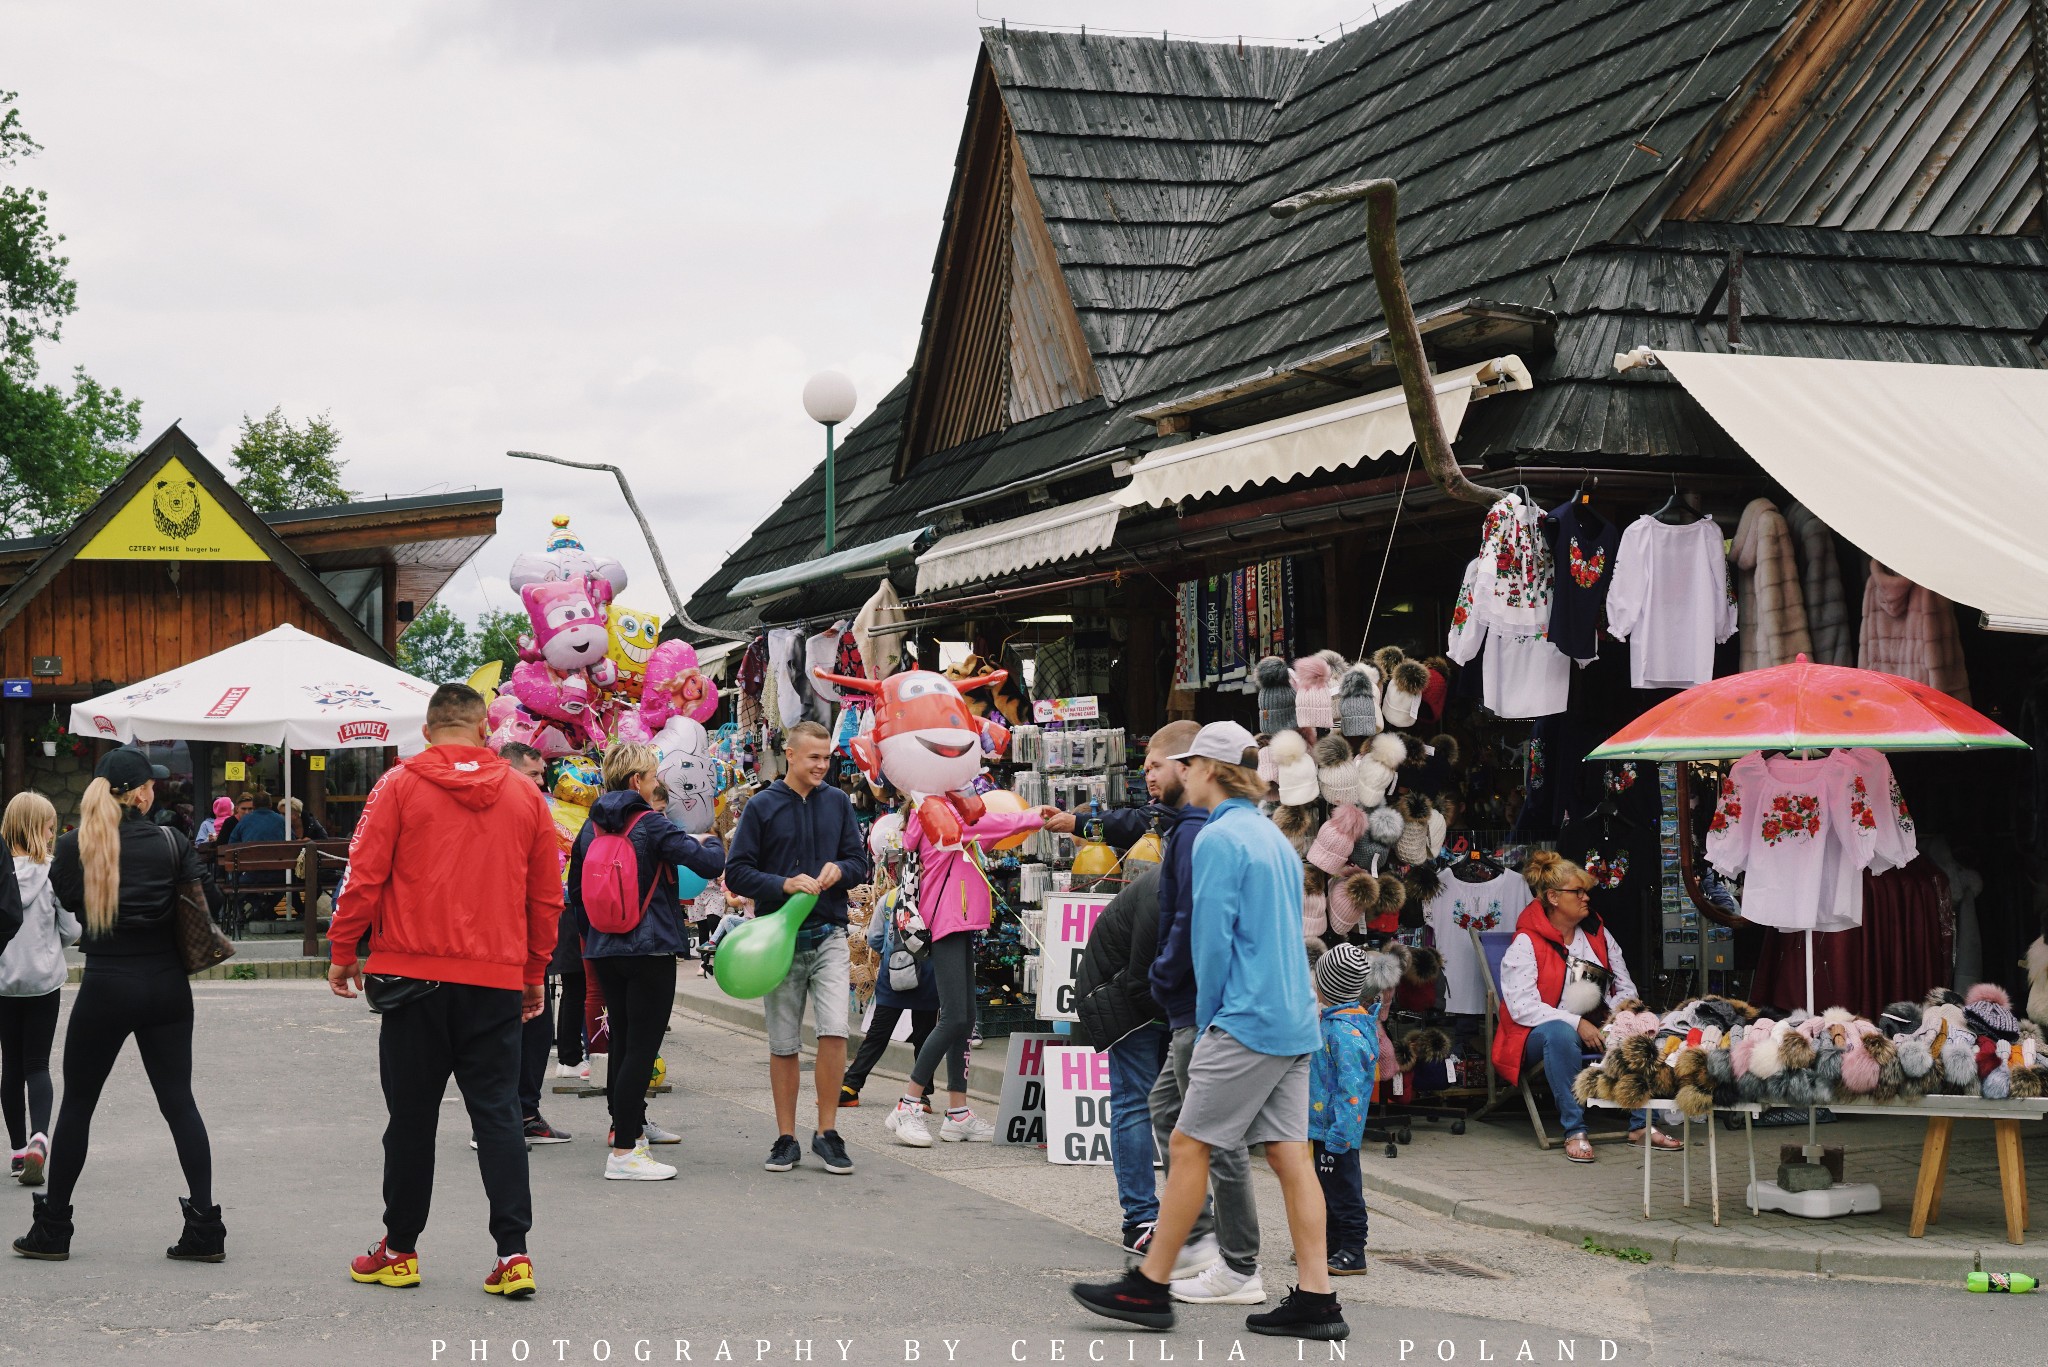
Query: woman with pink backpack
x,y
622,894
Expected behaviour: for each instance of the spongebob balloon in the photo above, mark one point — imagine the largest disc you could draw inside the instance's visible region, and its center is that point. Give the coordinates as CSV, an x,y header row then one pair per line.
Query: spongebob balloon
x,y
577,786
634,635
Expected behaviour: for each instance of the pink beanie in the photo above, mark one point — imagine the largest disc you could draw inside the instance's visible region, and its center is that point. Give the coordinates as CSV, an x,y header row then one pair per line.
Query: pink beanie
x,y
223,808
1331,851
1313,704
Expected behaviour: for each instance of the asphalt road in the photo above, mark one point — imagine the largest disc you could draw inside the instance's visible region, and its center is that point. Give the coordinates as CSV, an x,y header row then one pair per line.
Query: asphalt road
x,y
957,1254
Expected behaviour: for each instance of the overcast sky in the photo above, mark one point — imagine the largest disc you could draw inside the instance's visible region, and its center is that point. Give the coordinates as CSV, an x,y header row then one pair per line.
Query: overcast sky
x,y
619,230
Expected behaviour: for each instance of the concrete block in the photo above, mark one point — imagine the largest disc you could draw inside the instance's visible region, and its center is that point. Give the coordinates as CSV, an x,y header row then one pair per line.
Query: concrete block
x,y
1917,1264
1706,1250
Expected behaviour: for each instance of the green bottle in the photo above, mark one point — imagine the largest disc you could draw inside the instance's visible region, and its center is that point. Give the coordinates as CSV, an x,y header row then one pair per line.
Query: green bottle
x,y
2014,1282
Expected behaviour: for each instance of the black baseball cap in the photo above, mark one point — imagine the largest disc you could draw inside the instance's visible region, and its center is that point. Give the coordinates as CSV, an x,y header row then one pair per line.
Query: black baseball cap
x,y
126,770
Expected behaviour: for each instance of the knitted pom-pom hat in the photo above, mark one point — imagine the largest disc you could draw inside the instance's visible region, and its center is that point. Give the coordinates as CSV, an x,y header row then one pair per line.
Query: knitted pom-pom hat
x,y
1331,850
1401,704
1297,770
1336,773
1437,691
1351,900
1358,701
1312,683
1276,695
1379,767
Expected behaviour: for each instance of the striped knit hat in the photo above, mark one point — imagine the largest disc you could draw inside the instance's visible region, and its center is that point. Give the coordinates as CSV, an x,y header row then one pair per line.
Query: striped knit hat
x,y
1340,975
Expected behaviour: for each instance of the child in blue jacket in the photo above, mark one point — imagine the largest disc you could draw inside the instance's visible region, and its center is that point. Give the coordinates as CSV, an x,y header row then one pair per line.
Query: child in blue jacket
x,y
1340,1081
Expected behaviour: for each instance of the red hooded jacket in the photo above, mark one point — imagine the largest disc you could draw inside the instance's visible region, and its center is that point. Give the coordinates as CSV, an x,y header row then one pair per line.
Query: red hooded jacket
x,y
454,874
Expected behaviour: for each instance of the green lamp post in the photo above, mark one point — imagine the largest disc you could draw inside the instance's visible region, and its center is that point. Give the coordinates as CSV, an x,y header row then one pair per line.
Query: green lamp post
x,y
829,399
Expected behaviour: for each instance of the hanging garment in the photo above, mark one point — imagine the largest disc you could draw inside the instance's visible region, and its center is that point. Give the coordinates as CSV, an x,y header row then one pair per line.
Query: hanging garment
x,y
1514,587
1820,585
1911,631
785,651
1671,601
1770,605
880,651
1803,831
1583,547
1524,674
1459,908
821,652
1906,942
1965,884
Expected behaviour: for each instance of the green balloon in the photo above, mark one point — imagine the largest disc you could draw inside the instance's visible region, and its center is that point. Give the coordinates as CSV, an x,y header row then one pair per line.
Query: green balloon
x,y
753,958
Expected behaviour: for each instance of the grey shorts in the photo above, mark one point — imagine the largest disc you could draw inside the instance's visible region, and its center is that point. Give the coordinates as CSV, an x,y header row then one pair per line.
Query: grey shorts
x,y
820,975
1238,1096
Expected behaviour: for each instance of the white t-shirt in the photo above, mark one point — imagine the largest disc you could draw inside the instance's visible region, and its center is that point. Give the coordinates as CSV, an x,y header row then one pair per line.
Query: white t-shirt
x,y
1671,600
1459,908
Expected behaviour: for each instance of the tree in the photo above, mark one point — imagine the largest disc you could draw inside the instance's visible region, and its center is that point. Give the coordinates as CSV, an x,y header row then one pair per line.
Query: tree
x,y
497,636
279,467
437,647
61,450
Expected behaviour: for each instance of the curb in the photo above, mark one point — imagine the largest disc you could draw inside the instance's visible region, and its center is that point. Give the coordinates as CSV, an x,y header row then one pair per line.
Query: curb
x,y
1698,1250
242,970
984,1078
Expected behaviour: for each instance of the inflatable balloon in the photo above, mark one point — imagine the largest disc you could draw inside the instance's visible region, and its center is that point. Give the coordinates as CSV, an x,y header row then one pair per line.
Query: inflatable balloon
x,y
689,884
564,559
926,742
676,687
1094,860
563,666
686,770
1004,801
753,958
634,636
578,781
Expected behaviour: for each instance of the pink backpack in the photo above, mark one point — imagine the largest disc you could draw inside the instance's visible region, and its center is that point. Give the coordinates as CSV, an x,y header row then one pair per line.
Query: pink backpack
x,y
611,875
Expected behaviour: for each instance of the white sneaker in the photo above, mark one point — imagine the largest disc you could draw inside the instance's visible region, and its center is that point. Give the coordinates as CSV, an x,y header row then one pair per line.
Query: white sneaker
x,y
576,1070
637,1166
972,1130
1195,1255
907,1123
654,1134
1216,1284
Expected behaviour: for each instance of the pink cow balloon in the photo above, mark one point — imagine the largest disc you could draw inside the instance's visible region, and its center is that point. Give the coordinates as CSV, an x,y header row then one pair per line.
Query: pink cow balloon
x,y
564,667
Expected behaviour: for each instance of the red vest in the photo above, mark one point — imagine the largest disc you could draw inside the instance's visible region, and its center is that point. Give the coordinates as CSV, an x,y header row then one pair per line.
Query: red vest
x,y
1510,1036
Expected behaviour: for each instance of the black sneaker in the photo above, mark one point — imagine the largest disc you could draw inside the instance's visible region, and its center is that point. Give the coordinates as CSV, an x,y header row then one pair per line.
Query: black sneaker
x,y
1138,1239
1134,1299
785,1155
831,1150
1303,1315
538,1131
1348,1262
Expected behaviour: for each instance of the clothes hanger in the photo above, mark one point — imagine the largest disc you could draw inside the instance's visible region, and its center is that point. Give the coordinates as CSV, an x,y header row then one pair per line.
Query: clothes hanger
x,y
1679,510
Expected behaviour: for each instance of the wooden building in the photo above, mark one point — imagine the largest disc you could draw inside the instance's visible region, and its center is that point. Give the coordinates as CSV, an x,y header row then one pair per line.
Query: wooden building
x,y
171,565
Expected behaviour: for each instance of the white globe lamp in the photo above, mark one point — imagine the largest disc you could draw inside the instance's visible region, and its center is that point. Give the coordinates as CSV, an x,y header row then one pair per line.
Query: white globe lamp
x,y
829,399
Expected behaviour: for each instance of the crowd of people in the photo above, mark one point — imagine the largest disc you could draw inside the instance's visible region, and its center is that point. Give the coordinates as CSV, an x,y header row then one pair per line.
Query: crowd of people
x,y
1225,1026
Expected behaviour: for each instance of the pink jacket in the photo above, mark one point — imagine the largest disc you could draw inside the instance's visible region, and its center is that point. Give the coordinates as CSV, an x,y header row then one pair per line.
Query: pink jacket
x,y
952,895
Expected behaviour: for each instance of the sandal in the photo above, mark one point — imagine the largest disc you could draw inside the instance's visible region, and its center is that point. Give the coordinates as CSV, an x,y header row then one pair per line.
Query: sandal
x,y
1578,1149
1658,1139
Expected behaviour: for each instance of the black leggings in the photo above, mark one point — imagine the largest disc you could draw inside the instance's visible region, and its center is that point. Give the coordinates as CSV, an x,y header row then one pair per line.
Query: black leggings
x,y
569,1022
639,994
953,970
27,1027
882,1029
148,997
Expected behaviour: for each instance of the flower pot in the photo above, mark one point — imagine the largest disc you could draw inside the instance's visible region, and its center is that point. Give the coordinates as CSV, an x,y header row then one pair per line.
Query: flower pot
x,y
49,749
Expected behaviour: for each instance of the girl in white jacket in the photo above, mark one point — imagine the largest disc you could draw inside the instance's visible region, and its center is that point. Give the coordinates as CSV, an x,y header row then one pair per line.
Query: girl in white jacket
x,y
31,973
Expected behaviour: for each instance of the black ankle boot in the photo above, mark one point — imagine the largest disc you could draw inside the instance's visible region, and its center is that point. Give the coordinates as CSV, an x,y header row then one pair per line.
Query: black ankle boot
x,y
205,1238
49,1238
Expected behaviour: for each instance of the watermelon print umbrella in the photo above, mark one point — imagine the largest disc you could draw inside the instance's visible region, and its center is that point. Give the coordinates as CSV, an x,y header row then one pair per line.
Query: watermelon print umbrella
x,y
1805,706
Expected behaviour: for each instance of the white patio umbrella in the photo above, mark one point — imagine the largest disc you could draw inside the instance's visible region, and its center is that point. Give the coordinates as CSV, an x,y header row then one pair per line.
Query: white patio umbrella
x,y
284,688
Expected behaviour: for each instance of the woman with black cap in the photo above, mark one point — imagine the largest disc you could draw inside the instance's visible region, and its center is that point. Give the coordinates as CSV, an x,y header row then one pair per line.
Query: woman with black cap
x,y
125,873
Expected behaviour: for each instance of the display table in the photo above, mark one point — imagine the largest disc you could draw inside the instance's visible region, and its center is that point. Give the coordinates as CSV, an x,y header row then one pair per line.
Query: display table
x,y
1940,1112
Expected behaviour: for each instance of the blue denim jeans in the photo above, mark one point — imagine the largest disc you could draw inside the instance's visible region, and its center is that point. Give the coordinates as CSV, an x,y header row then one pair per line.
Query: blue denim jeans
x,y
1134,1064
1562,1053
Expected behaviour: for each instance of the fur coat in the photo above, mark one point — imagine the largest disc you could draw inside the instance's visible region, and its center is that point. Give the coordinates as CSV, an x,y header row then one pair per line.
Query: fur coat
x,y
1820,581
1770,607
1911,631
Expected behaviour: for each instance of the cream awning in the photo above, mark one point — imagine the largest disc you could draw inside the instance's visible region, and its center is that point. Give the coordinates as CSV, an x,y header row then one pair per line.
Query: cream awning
x,y
1327,438
1039,538
1940,472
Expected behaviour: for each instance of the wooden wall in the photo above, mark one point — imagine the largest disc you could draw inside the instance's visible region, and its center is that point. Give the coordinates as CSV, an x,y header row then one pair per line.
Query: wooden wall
x,y
1050,365
124,620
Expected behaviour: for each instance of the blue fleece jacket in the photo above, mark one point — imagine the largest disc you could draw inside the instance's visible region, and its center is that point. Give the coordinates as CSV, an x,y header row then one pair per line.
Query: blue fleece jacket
x,y
1173,970
782,835
658,846
1251,976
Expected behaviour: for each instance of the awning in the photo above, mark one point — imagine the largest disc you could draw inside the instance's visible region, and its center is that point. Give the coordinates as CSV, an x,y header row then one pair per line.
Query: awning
x,y
1937,471
847,561
1000,548
1327,438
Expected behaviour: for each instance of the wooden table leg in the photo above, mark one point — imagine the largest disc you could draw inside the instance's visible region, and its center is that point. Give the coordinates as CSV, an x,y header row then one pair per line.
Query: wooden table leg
x,y
1933,1164
2012,1179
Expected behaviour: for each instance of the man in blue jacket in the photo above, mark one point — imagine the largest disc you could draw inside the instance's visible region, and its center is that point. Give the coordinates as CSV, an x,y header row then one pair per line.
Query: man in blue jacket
x,y
1256,1024
799,834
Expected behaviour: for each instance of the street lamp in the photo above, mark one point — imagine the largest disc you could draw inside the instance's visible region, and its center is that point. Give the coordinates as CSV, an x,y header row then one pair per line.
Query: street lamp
x,y
829,399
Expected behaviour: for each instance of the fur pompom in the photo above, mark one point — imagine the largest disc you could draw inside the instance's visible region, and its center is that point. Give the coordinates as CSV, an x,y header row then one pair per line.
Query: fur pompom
x,y
1385,658
1410,676
1331,751
1383,825
1446,747
1423,881
1795,1051
1295,821
1695,1102
1630,1091
1663,1081
1859,1072
1959,1062
1690,1068
1382,975
1337,663
1357,682
1988,992
1389,749
1585,1085
1720,1064
1289,747
2025,1083
1393,896
1413,807
1914,1060
1424,965
1272,673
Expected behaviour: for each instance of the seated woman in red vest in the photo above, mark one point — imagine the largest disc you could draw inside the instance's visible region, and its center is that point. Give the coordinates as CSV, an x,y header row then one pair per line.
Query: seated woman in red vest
x,y
1562,969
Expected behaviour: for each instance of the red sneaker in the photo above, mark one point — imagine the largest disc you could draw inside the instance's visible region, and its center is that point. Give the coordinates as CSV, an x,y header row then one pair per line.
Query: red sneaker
x,y
385,1268
514,1278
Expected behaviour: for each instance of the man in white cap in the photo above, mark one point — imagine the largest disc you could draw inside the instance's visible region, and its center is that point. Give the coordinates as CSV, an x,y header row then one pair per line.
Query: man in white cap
x,y
1256,1024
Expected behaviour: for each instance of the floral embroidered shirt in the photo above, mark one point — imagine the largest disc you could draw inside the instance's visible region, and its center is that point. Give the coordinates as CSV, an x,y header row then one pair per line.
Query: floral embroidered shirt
x,y
1513,590
1458,909
1583,546
1524,675
1801,832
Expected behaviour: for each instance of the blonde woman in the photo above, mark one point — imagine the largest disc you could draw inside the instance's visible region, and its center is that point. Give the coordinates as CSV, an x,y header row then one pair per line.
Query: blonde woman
x,y
1563,968
31,972
125,871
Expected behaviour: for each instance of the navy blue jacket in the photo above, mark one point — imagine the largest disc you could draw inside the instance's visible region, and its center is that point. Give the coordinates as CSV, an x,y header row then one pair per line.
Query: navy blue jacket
x,y
657,847
1173,971
1126,826
782,835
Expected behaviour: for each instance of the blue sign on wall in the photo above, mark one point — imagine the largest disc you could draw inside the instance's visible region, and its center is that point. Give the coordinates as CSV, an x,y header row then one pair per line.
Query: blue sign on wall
x,y
17,688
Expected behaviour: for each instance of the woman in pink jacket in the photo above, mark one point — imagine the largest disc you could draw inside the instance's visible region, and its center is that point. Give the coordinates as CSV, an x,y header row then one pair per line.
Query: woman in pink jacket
x,y
953,899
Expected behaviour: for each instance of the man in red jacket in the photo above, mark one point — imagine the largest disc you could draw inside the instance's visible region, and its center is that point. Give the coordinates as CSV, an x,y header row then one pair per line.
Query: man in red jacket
x,y
453,876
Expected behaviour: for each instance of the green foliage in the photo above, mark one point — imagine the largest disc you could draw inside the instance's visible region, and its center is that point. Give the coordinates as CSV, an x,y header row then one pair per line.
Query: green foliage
x,y
436,646
279,467
1630,1254
242,973
62,449
497,637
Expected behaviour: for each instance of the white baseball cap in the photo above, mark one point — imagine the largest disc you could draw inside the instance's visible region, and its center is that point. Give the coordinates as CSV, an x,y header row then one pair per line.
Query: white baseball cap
x,y
1222,741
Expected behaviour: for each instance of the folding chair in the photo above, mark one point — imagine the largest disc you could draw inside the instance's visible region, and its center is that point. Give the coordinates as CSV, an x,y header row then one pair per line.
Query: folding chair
x,y
1492,946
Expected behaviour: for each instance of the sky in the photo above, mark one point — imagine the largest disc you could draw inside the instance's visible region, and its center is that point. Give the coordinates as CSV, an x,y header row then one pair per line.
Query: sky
x,y
610,230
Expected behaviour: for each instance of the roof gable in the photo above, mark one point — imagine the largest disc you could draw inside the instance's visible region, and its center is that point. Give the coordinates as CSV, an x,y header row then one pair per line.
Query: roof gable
x,y
174,521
